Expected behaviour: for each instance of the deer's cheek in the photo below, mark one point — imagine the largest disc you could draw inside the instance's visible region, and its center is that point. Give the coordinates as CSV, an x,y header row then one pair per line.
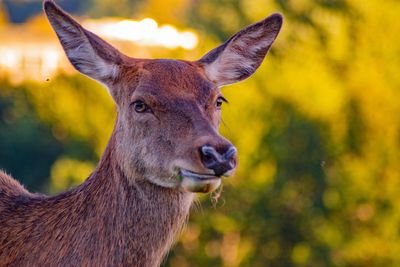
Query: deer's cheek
x,y
215,118
144,127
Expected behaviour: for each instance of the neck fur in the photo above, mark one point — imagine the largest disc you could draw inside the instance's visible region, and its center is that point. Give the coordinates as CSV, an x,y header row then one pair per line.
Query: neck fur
x,y
109,220
140,220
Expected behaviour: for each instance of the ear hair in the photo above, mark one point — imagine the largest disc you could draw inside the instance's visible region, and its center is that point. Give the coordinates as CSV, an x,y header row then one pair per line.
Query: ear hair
x,y
87,52
243,53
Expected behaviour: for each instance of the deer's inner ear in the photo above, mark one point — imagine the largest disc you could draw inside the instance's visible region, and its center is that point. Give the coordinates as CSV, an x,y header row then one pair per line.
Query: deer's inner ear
x,y
87,52
243,53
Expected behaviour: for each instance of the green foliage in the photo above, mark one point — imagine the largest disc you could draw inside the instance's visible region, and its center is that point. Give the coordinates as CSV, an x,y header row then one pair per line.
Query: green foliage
x,y
67,173
30,144
23,138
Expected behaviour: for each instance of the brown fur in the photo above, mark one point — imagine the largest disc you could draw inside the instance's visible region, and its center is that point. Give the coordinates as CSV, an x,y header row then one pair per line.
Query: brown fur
x,y
129,210
105,221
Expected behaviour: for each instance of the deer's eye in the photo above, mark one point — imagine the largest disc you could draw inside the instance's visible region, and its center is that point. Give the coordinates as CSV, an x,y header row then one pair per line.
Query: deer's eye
x,y
220,100
140,106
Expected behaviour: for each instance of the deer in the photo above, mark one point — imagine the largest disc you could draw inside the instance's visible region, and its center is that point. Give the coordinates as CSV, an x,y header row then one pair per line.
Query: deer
x,y
164,148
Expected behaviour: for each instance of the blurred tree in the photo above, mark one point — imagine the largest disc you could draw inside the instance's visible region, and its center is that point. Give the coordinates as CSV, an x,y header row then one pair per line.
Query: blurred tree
x,y
29,146
122,8
21,10
3,14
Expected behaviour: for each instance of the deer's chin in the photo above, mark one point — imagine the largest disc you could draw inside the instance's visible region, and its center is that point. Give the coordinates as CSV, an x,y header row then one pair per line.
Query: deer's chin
x,y
197,182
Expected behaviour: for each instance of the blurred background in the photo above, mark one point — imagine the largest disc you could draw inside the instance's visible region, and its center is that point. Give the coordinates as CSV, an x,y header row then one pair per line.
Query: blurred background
x,y
317,126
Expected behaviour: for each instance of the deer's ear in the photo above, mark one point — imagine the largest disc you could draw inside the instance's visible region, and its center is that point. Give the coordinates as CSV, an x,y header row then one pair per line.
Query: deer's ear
x,y
243,53
87,52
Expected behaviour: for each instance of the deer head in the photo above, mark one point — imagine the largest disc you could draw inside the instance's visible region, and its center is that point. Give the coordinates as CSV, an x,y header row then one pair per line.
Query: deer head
x,y
169,111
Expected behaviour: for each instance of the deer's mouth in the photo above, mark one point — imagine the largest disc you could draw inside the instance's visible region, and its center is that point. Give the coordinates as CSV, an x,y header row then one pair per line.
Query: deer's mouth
x,y
199,182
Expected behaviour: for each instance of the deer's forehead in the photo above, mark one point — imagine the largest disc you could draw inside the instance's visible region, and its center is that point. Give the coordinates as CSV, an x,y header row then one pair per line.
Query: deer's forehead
x,y
176,79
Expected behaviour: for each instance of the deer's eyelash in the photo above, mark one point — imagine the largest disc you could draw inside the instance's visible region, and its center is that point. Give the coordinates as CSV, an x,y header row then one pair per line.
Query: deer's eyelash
x,y
224,99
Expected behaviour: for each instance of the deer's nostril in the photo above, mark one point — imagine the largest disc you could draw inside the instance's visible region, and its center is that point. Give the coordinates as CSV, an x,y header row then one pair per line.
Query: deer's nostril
x,y
213,160
209,157
230,153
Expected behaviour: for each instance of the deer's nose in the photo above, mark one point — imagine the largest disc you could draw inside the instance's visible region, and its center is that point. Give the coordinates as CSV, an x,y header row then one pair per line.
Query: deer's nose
x,y
220,163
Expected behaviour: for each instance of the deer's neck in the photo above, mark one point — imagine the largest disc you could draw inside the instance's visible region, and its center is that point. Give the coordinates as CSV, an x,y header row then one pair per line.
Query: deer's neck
x,y
109,220
129,221
138,220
